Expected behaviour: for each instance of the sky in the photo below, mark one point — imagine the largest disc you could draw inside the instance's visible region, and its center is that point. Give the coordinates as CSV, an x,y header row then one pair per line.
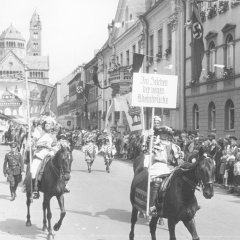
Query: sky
x,y
71,29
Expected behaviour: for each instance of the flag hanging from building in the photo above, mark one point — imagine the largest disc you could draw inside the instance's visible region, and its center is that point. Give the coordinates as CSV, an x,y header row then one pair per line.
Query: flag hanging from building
x,y
124,104
137,62
13,97
79,89
197,49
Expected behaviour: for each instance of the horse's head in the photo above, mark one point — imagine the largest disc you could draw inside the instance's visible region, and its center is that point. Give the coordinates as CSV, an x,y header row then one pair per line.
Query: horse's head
x,y
205,173
63,157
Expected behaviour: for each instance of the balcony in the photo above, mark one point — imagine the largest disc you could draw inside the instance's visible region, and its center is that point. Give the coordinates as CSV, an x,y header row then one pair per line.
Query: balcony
x,y
120,75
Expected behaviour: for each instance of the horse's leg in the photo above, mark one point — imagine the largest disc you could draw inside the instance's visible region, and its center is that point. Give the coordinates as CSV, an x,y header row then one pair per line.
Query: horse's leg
x,y
190,225
44,206
63,212
171,228
133,222
49,216
153,226
28,223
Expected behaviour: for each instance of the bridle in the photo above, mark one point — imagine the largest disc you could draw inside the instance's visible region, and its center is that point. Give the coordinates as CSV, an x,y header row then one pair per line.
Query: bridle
x,y
199,183
59,172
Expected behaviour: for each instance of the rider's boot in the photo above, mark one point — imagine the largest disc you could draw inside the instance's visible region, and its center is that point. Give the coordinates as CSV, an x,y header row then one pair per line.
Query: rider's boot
x,y
155,186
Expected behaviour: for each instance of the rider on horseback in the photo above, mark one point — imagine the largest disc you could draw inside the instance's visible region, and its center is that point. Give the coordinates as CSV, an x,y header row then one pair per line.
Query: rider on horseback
x,y
164,156
42,148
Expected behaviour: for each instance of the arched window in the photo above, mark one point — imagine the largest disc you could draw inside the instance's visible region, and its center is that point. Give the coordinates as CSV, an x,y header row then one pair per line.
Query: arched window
x,y
212,56
229,51
211,116
126,17
229,115
195,117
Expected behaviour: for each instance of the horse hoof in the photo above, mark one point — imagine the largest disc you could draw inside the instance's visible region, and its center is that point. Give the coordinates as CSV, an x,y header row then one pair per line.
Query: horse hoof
x,y
56,227
50,237
131,236
28,224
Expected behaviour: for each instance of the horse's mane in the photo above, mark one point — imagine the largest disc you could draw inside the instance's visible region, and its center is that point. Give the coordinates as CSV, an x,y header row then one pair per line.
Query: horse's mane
x,y
61,150
187,165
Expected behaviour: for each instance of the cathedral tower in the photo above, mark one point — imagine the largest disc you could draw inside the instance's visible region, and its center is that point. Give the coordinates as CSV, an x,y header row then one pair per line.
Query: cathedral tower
x,y
34,46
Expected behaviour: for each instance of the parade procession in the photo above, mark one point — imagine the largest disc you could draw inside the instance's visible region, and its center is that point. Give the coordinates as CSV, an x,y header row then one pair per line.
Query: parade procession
x,y
139,140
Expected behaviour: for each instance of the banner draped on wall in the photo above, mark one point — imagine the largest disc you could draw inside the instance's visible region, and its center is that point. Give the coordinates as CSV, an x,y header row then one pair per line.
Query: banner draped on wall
x,y
133,114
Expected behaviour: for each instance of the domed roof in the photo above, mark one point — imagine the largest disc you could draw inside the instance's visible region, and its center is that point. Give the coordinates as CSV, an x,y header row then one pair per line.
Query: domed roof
x,y
11,33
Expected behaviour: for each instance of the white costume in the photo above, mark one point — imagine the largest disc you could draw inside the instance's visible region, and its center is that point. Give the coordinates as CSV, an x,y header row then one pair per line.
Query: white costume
x,y
44,146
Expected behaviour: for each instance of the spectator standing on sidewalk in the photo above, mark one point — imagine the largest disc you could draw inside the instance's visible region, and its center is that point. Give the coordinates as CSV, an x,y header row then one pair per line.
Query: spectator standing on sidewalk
x,y
231,160
236,170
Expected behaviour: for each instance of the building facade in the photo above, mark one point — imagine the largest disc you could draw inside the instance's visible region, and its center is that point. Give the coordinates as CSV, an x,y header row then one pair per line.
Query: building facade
x,y
91,110
17,59
154,29
213,103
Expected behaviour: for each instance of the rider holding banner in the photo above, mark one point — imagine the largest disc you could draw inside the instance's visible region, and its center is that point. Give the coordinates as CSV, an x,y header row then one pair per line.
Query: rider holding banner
x,y
164,155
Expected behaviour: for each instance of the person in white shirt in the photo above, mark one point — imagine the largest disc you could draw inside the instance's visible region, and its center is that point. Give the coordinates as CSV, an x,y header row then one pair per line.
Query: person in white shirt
x,y
42,147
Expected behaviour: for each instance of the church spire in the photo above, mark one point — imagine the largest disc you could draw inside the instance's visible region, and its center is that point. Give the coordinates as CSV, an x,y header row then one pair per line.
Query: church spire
x,y
34,47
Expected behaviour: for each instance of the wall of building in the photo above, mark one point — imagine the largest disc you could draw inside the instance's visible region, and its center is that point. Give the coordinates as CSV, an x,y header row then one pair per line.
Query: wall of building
x,y
217,90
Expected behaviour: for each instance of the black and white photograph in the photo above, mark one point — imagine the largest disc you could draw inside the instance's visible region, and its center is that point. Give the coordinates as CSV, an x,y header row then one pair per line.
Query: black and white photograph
x,y
119,119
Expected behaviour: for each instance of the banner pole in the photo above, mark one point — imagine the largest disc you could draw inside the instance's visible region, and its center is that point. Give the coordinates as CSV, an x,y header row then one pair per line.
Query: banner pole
x,y
150,162
29,126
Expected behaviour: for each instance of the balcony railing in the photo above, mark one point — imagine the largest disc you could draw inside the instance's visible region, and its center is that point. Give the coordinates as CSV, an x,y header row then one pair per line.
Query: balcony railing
x,y
120,75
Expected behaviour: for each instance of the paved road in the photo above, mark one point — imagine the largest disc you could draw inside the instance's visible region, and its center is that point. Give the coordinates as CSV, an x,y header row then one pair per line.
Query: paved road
x,y
98,208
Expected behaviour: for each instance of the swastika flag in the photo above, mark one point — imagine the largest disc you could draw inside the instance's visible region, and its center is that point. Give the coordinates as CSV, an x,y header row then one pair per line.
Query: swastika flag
x,y
197,49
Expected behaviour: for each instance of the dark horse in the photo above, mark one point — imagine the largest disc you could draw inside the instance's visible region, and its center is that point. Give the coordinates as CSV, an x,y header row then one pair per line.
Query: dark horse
x,y
56,172
180,203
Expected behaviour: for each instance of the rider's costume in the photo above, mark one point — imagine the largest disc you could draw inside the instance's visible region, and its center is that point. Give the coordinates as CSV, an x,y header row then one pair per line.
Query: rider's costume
x,y
43,148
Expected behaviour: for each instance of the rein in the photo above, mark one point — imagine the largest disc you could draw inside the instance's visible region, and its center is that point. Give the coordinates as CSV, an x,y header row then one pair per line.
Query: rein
x,y
199,181
55,169
190,182
58,172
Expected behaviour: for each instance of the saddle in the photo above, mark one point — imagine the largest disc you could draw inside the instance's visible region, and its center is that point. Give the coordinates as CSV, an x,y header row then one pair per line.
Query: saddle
x,y
158,186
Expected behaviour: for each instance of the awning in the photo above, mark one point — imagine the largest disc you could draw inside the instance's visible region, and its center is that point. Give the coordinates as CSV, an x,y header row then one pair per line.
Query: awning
x,y
16,119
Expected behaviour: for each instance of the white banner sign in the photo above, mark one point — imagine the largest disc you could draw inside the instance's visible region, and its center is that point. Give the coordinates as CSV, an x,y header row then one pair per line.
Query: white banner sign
x,y
154,90
133,114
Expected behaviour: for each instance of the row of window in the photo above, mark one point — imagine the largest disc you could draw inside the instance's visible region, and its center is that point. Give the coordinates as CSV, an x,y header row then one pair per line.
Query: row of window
x,y
11,44
36,75
10,73
229,115
158,53
153,53
8,111
10,103
212,58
